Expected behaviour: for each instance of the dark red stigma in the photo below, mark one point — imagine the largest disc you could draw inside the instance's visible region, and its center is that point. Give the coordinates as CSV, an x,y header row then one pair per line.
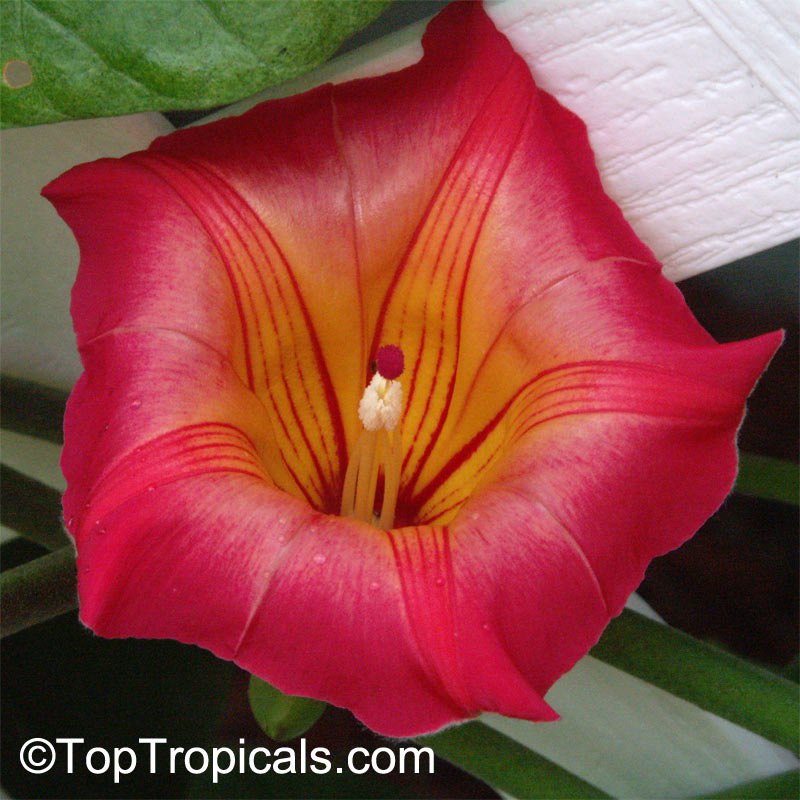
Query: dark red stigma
x,y
390,361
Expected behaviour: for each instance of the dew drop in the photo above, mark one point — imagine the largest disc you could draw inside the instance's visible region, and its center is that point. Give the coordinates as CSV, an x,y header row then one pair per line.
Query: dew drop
x,y
105,427
70,521
281,520
151,488
136,404
281,539
374,586
319,559
440,581
475,516
485,626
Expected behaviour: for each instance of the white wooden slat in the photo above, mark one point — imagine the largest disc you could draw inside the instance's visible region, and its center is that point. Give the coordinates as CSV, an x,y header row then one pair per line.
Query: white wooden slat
x,y
765,35
693,110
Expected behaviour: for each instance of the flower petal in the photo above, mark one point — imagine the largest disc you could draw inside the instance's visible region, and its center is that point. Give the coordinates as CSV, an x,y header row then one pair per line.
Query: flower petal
x,y
173,511
608,473
393,206
455,637
567,418
174,264
308,601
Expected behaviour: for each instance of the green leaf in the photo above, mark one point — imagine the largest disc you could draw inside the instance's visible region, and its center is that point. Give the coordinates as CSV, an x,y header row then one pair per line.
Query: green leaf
x,y
32,509
37,591
282,716
704,675
785,786
505,764
792,670
71,59
769,478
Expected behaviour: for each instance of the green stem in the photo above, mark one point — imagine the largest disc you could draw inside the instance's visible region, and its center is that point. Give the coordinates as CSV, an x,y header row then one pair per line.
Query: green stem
x,y
769,478
32,509
704,675
30,408
785,786
505,764
37,591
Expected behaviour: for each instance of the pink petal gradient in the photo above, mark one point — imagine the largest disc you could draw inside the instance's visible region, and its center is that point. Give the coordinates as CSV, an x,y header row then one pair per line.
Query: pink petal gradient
x,y
567,419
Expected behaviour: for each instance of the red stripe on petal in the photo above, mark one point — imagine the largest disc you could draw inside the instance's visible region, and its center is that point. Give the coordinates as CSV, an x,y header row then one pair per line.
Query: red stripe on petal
x,y
424,565
286,364
202,448
615,387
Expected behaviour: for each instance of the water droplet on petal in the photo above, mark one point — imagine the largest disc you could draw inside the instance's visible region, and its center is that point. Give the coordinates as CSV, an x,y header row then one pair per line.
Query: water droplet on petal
x,y
374,586
70,521
440,581
281,520
281,539
151,488
136,404
105,427
485,626
475,516
319,559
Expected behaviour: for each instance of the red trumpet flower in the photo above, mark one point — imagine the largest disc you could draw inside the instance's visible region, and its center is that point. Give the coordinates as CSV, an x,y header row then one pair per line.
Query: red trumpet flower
x,y
453,537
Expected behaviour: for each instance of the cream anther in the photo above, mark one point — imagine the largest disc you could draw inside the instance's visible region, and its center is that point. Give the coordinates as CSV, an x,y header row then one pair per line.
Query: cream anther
x,y
381,404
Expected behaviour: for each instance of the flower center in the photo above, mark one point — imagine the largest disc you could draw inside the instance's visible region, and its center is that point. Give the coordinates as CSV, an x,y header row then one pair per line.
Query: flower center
x,y
378,447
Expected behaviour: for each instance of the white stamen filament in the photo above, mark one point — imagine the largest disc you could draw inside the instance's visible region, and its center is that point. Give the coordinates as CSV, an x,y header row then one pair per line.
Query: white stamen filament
x,y
377,448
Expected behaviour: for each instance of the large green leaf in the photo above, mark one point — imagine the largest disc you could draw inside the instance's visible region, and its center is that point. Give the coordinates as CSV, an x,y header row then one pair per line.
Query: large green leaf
x,y
71,59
